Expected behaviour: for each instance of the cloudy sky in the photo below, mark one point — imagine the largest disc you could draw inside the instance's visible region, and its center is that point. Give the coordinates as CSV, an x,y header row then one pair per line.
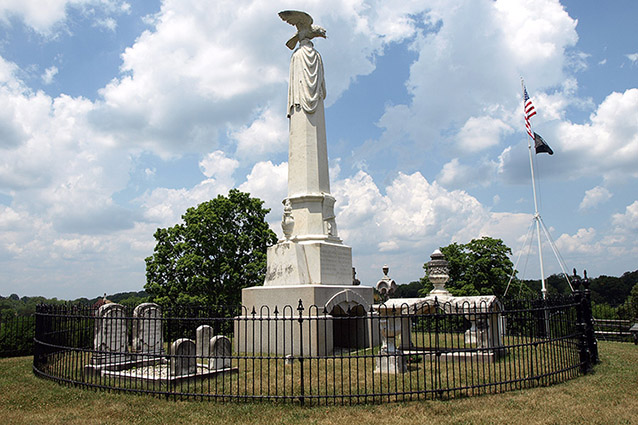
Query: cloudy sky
x,y
116,116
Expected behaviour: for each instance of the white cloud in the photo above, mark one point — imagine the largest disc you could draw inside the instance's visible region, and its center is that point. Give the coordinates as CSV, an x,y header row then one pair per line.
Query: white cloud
x,y
44,16
215,75
412,212
633,57
107,23
446,91
388,246
454,174
594,197
49,73
627,222
9,219
480,133
269,182
414,217
55,164
164,206
216,165
266,135
583,242
607,144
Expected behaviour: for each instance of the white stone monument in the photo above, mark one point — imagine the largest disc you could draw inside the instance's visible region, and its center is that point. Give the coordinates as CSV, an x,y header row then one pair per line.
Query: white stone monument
x,y
220,350
182,358
311,263
147,330
203,334
110,340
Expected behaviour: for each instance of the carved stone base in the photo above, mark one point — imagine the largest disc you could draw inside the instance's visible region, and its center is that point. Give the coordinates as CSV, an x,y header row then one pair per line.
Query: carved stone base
x,y
309,263
389,363
281,333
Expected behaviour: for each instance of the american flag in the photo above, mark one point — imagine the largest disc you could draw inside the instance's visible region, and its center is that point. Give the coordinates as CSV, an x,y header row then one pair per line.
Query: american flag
x,y
529,112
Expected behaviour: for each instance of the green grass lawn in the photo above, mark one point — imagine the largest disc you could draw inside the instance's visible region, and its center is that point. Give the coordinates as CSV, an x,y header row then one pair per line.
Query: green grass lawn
x,y
608,396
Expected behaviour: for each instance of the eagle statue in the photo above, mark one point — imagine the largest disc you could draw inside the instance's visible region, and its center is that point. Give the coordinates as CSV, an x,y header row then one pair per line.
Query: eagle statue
x,y
305,28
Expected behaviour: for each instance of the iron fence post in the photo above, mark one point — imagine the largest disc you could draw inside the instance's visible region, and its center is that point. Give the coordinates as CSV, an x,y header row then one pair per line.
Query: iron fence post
x,y
301,343
592,343
581,326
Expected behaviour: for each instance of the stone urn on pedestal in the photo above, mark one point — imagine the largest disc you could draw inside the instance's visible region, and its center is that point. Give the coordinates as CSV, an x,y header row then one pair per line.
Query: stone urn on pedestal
x,y
438,269
390,359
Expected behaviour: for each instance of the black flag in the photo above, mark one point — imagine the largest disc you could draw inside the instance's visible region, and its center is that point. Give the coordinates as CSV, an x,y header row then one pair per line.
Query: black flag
x,y
541,145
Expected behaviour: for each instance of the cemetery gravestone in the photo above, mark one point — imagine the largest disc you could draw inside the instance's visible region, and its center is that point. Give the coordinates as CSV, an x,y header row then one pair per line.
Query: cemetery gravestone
x,y
220,352
203,334
111,338
147,330
183,361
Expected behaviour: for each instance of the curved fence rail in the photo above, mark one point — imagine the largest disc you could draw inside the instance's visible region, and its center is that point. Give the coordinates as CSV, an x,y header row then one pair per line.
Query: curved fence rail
x,y
303,354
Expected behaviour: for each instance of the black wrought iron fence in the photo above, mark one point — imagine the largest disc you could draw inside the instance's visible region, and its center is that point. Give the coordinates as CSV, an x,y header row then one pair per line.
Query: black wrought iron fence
x,y
613,330
16,335
301,353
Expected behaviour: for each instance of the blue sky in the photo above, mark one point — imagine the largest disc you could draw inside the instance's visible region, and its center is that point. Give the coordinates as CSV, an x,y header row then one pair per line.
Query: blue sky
x,y
117,116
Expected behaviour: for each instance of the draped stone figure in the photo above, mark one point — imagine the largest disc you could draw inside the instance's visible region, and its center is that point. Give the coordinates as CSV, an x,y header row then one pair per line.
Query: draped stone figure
x,y
307,86
308,153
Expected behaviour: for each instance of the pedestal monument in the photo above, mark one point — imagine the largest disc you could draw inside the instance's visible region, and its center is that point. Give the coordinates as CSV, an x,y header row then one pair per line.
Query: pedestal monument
x,y
310,263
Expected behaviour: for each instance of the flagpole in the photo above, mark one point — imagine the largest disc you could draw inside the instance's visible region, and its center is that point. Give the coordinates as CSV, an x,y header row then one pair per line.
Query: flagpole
x,y
537,215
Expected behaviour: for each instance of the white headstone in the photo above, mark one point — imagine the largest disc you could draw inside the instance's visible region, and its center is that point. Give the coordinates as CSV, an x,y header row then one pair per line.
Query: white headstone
x,y
110,329
183,361
147,329
220,352
111,337
203,334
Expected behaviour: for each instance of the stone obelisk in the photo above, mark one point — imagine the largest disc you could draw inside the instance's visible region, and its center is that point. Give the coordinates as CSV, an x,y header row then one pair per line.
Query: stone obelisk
x,y
310,263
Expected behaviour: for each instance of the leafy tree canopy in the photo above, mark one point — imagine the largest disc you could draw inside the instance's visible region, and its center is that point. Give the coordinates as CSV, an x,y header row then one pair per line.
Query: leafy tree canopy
x,y
219,249
479,267
410,290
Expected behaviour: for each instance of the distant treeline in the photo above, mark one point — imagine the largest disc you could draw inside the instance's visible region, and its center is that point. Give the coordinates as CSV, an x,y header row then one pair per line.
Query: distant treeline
x,y
14,305
612,297
609,290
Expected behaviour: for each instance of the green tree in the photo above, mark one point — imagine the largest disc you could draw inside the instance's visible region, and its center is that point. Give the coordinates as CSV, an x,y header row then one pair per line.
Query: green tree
x,y
219,249
629,309
613,290
479,267
410,290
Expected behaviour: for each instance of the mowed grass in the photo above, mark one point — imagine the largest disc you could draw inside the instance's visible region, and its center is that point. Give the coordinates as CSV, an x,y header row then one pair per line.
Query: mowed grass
x,y
608,396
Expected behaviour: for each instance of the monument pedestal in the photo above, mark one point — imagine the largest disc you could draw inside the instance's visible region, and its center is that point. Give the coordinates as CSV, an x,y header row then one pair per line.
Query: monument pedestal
x,y
310,262
332,316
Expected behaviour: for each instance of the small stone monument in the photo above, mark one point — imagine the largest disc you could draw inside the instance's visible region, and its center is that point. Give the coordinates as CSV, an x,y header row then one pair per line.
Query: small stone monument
x,y
183,360
438,269
390,359
148,337
386,286
111,338
220,350
203,334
